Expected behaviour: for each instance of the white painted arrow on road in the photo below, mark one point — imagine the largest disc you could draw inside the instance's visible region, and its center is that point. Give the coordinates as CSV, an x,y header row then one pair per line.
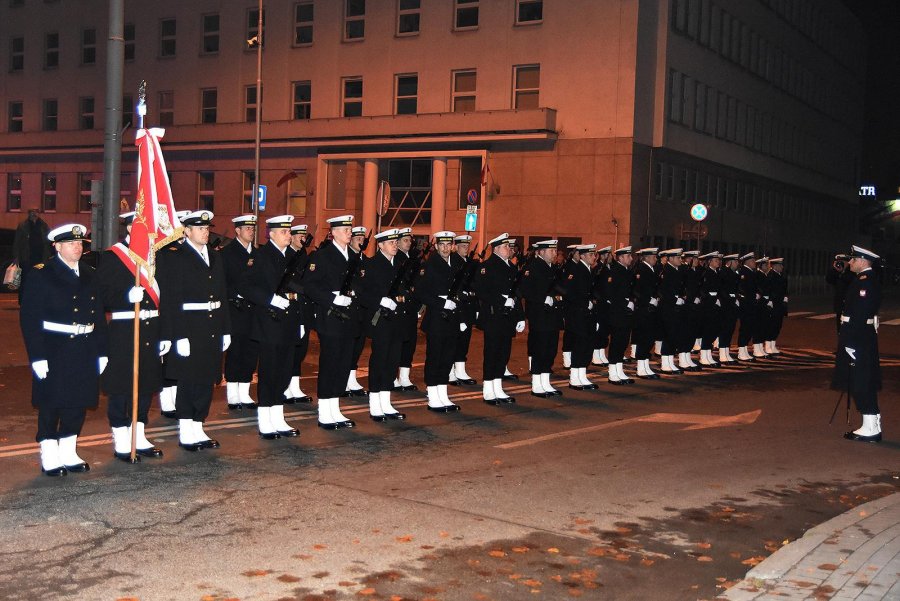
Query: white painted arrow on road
x,y
698,422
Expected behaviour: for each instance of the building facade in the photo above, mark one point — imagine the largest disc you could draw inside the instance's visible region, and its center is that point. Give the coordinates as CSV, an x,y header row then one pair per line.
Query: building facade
x,y
593,120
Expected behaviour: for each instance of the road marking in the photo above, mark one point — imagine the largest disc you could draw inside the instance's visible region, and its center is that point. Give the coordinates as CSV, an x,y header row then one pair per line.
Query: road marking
x,y
697,421
799,313
823,316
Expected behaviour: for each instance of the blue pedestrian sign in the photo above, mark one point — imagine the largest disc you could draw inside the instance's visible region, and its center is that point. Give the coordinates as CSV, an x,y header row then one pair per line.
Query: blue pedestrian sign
x,y
471,222
261,197
699,212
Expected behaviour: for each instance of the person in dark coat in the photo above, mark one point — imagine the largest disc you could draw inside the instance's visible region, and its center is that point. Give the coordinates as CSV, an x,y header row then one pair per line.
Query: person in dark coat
x,y
358,244
778,299
300,241
711,303
468,310
410,315
672,309
838,277
692,272
64,329
441,322
381,297
30,245
277,326
240,360
646,304
499,317
115,274
193,298
857,369
542,293
573,259
730,306
764,310
601,310
620,305
326,283
748,294
580,321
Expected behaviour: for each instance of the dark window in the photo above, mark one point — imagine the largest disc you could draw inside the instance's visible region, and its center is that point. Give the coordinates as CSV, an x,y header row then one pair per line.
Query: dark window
x,y
353,97
16,54
529,11
303,23
14,192
51,115
167,108
464,85
48,192
407,94
354,19
51,51
466,14
408,16
16,116
252,33
167,37
208,105
210,34
84,192
86,112
527,87
127,110
88,46
250,104
129,41
302,100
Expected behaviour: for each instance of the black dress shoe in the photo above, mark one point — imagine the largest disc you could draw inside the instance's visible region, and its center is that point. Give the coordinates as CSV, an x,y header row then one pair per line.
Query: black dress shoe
x,y
542,395
590,386
270,435
150,452
57,471
650,377
617,382
576,387
289,433
193,447
209,444
289,401
329,426
493,402
510,377
509,400
628,381
397,416
344,395
555,392
303,399
169,414
440,409
409,388
357,392
378,418
84,467
674,372
453,408
235,407
861,438
468,382
249,406
347,423
454,383
126,457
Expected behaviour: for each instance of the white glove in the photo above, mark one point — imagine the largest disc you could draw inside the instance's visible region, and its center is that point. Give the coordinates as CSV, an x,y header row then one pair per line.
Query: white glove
x,y
101,364
718,303
342,301
279,302
697,301
785,299
654,301
596,327
548,301
851,352
590,305
737,303
630,306
302,330
183,347
477,314
135,295
388,304
520,327
164,347
770,305
449,305
509,303
226,342
463,327
41,368
758,296
679,301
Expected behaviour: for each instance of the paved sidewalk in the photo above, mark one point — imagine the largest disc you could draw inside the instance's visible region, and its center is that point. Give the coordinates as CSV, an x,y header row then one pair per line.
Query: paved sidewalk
x,y
853,556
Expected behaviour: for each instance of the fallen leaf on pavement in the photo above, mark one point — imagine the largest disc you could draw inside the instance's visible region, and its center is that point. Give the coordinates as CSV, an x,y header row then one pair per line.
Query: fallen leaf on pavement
x,y
752,561
704,558
253,573
404,539
520,549
532,583
552,550
703,545
647,562
497,553
366,592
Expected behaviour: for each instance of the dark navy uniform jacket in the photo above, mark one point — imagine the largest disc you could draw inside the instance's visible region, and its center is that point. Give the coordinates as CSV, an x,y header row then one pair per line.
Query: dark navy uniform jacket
x,y
495,279
618,294
53,293
375,283
538,282
238,262
271,325
325,276
861,305
434,281
576,289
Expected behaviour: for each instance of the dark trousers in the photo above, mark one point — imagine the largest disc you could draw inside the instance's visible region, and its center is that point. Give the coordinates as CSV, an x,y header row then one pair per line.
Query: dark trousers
x,y
241,358
582,347
300,351
673,331
497,348
644,333
461,351
410,336
568,341
618,342
764,316
543,350
712,326
385,357
358,344
59,422
192,400
276,367
777,321
439,350
729,321
118,409
335,360
748,323
601,336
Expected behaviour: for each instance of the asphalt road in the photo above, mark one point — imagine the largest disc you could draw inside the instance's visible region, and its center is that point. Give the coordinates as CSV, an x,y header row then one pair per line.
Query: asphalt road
x,y
670,489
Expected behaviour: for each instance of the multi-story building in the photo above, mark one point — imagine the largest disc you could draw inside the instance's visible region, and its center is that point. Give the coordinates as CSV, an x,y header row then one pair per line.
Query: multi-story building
x,y
594,120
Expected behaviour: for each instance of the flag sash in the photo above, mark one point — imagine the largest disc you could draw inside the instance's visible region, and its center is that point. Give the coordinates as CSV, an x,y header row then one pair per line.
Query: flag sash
x,y
126,256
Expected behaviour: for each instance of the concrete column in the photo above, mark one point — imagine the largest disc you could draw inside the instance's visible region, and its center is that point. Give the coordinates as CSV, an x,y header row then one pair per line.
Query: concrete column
x,y
438,192
370,192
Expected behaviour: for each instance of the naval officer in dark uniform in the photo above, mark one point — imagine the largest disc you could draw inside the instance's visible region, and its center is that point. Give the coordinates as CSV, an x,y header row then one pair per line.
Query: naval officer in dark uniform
x,y
646,302
711,303
857,369
301,238
748,295
468,310
580,321
358,244
240,360
672,309
276,328
542,293
193,296
620,305
326,283
730,306
64,329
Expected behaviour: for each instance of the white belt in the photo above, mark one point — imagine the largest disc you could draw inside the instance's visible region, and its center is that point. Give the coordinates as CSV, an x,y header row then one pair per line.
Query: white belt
x,y
846,319
69,328
142,314
714,294
211,305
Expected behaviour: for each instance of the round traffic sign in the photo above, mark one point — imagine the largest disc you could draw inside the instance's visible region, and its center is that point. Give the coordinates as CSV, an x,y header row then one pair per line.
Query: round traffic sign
x,y
699,212
472,196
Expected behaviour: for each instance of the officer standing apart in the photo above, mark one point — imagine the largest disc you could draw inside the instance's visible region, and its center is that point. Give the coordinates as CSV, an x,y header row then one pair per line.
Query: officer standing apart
x,y
542,295
441,323
64,329
857,369
499,317
192,297
240,361
325,283
276,328
839,277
